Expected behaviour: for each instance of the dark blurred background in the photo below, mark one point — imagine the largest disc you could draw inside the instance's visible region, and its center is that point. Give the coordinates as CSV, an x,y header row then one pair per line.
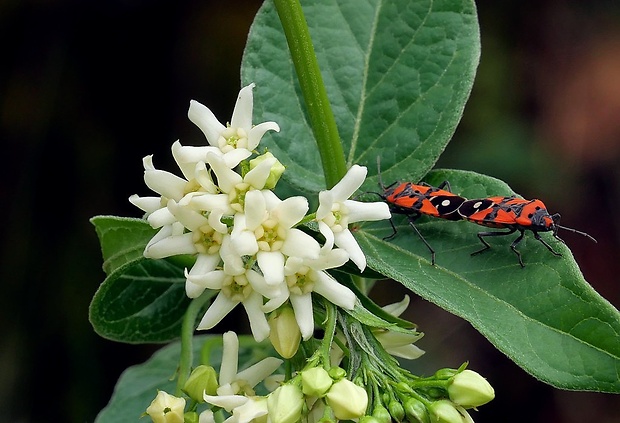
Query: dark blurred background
x,y
88,88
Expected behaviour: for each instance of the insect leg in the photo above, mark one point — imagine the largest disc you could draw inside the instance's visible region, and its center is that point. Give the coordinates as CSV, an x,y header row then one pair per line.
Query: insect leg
x,y
411,220
555,253
446,185
514,244
411,217
481,236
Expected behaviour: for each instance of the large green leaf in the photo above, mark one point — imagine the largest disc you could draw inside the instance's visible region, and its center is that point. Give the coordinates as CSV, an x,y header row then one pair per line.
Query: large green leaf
x,y
141,301
545,316
397,74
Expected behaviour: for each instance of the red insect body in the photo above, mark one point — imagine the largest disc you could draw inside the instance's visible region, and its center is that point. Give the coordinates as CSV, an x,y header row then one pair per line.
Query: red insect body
x,y
515,214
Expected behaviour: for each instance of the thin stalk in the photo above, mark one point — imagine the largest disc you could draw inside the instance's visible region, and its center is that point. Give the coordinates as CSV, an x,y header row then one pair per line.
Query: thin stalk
x,y
313,89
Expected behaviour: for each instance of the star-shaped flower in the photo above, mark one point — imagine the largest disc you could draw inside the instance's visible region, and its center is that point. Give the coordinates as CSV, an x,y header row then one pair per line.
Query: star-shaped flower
x,y
236,141
336,212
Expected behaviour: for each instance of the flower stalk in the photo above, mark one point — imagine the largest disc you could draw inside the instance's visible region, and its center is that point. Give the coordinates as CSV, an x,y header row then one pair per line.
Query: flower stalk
x,y
313,89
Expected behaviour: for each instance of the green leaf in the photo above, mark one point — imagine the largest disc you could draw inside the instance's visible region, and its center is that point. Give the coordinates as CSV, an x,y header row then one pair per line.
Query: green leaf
x,y
138,385
545,316
397,75
143,302
122,240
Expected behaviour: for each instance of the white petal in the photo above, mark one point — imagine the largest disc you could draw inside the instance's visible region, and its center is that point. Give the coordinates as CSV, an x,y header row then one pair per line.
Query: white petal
x,y
271,199
259,285
346,241
359,211
326,202
258,321
165,183
327,232
258,176
271,263
210,202
409,352
257,132
171,246
254,408
334,291
329,259
302,305
217,311
349,183
233,157
244,243
230,354
254,374
276,301
197,283
291,211
203,118
396,309
191,219
227,402
255,209
226,178
206,417
242,114
161,217
147,204
300,244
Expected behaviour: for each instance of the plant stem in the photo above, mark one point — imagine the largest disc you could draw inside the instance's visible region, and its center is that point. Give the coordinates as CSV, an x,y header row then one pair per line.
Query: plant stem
x,y
187,333
313,89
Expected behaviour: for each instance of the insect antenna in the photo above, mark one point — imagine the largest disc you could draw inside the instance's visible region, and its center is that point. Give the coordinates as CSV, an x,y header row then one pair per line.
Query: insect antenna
x,y
576,231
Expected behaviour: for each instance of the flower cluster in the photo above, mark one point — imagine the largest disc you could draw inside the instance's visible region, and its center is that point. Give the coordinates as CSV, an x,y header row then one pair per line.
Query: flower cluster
x,y
309,396
246,240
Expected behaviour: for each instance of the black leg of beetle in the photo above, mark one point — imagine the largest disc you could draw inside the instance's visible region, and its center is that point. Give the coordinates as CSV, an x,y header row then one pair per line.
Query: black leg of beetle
x,y
514,244
411,220
555,253
446,185
410,217
481,236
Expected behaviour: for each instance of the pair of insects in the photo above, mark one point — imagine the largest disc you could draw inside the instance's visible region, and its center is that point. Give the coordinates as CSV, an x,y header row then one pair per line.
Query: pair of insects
x,y
512,213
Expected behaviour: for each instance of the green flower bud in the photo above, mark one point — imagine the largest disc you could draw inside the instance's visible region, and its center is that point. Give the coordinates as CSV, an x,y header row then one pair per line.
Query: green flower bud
x,y
284,334
315,382
285,404
277,169
468,389
191,417
166,408
443,374
369,419
443,411
382,414
347,400
396,410
416,411
337,373
202,379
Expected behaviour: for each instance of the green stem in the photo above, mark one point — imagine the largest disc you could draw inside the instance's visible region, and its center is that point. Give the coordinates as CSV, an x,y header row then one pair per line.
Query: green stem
x,y
330,331
313,89
187,333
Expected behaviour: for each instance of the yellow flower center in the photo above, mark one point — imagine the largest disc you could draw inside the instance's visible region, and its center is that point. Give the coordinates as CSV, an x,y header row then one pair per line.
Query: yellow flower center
x,y
236,196
270,235
232,138
301,282
207,240
237,288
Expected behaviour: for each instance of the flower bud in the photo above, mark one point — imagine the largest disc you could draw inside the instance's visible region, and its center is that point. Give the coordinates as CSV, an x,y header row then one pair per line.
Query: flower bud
x,y
191,417
284,334
470,390
166,408
443,411
285,404
446,373
206,417
337,373
347,400
396,410
277,169
369,419
382,414
315,382
202,379
416,411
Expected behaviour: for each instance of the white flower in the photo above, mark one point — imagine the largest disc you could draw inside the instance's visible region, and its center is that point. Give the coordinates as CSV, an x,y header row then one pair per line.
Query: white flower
x,y
399,344
304,276
236,391
266,230
166,408
336,211
236,141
